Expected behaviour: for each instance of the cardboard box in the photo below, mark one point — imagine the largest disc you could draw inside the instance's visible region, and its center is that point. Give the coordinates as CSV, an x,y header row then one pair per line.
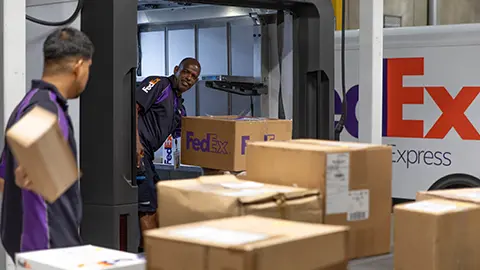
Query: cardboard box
x,y
355,180
219,142
81,257
40,148
247,243
437,235
471,195
221,196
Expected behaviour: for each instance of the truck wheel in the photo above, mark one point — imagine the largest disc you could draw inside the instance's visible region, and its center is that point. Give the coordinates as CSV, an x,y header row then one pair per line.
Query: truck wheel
x,y
456,181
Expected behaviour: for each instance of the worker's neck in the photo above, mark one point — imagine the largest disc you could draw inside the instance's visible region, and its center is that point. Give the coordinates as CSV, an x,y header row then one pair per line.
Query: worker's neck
x,y
60,82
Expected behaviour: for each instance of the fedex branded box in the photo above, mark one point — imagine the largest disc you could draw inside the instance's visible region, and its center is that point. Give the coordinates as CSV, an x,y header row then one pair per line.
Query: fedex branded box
x,y
220,142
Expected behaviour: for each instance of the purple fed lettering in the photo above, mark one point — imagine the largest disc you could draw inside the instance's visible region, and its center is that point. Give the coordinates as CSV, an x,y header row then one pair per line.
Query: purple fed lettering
x,y
245,139
210,143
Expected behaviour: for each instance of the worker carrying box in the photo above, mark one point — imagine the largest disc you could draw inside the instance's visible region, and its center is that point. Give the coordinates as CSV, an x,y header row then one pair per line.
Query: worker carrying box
x,y
247,243
219,142
213,197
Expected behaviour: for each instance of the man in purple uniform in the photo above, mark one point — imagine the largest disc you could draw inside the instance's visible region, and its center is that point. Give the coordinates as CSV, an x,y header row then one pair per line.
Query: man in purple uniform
x,y
28,221
159,112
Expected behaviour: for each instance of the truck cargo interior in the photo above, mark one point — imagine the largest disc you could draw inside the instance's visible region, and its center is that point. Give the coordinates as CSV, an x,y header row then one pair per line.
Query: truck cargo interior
x,y
227,38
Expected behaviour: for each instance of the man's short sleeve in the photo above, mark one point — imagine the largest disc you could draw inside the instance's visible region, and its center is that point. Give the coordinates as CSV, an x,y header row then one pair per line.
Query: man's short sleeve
x,y
149,90
52,107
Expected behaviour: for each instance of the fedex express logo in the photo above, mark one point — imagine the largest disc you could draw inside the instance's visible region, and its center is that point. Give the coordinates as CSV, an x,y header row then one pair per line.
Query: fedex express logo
x,y
395,95
212,144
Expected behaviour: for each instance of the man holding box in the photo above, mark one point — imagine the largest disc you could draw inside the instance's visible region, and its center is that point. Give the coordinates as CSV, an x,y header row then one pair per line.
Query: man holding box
x,y
29,222
159,112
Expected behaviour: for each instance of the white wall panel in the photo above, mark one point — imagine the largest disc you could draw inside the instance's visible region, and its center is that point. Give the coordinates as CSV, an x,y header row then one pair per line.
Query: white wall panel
x,y
181,44
242,65
153,53
212,54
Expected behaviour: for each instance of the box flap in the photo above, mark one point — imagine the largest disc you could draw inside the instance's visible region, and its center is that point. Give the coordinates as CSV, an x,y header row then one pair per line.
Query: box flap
x,y
247,192
342,144
243,233
232,118
471,195
300,146
436,206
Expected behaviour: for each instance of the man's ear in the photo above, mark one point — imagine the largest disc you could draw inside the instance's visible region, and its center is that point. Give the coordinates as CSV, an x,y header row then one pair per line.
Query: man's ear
x,y
77,66
175,69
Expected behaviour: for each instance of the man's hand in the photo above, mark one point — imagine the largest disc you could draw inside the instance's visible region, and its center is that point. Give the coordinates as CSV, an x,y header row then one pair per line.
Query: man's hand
x,y
21,179
140,153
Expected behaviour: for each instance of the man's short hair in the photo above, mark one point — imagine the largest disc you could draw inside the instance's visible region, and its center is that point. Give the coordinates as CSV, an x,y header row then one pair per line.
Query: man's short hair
x,y
67,42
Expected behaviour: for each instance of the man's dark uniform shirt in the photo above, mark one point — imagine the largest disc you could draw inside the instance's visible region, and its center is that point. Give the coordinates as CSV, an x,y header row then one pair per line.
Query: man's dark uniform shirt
x,y
28,221
160,115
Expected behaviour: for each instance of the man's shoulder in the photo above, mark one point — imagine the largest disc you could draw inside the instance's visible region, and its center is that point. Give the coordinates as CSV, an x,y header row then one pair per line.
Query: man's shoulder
x,y
154,82
43,98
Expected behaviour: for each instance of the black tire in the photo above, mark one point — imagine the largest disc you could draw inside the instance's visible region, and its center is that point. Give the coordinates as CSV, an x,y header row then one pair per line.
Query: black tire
x,y
455,182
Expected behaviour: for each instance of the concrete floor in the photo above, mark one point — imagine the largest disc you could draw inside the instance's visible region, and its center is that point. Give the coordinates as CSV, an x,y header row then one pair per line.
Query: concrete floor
x,y
384,262
375,263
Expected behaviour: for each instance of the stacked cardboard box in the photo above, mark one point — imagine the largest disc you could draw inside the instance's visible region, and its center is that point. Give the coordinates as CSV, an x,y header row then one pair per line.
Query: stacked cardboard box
x,y
219,142
437,234
247,243
221,196
354,179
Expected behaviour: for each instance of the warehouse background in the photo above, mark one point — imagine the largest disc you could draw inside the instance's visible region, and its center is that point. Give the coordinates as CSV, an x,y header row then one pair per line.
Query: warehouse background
x,y
419,12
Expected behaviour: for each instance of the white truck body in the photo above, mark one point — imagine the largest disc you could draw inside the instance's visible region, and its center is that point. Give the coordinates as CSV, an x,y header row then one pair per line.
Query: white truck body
x,y
431,104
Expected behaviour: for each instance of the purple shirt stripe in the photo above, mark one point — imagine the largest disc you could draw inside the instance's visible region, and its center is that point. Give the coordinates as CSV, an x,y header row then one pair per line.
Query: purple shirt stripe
x,y
36,233
165,93
35,227
2,165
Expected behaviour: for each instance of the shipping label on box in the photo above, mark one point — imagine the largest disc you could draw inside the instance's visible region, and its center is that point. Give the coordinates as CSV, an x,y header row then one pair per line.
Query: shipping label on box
x,y
220,142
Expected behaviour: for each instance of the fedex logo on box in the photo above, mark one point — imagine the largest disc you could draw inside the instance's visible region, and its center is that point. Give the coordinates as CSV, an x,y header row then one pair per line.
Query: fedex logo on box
x,y
210,143
245,139
168,150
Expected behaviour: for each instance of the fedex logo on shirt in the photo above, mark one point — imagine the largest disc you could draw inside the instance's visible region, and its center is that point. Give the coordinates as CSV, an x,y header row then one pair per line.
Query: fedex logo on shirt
x,y
210,143
150,85
395,95
245,139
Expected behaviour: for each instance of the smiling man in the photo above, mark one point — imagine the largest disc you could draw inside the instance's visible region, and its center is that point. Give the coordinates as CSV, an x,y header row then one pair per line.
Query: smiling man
x,y
159,113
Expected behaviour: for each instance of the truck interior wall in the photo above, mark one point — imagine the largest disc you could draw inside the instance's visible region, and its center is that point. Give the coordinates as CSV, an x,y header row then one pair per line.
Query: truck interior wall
x,y
219,51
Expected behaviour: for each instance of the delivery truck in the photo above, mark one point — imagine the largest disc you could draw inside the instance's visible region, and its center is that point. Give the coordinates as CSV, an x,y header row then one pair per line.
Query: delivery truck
x,y
431,108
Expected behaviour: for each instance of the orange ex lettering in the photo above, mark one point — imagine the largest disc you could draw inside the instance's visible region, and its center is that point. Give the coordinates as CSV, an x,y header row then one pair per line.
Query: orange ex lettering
x,y
396,95
453,108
